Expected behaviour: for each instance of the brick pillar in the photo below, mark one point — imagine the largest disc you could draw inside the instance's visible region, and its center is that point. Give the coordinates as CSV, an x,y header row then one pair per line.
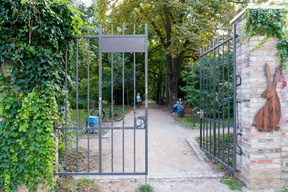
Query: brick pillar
x,y
265,154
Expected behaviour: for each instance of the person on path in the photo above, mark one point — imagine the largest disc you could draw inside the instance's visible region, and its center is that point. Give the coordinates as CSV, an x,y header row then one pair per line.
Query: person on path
x,y
177,105
139,100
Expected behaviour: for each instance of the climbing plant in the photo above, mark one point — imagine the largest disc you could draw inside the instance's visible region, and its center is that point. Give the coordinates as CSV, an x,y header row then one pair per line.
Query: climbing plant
x,y
32,45
27,138
271,23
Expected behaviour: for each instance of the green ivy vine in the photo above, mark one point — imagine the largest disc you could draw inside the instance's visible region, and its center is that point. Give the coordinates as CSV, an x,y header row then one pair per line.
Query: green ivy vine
x,y
269,23
27,138
32,47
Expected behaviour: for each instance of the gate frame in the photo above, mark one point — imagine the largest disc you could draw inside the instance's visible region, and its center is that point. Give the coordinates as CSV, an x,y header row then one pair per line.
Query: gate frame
x,y
214,121
112,127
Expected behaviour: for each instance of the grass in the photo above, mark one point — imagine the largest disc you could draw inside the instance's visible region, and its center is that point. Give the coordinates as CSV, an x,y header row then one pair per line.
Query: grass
x,y
88,185
145,188
82,115
187,121
222,143
80,185
233,184
284,190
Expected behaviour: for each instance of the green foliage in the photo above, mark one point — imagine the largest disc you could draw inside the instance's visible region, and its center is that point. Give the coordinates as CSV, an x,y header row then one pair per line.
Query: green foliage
x,y
284,190
88,184
32,36
272,23
224,85
27,145
192,87
32,45
187,121
232,183
178,27
145,188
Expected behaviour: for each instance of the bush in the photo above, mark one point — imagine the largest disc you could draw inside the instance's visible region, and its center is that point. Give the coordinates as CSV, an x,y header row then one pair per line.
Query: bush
x,y
145,188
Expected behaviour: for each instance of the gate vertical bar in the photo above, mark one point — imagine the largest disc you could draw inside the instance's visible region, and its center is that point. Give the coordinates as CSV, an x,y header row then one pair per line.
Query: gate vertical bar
x,y
100,98
218,91
228,65
123,103
206,104
201,98
234,98
134,102
77,105
223,99
210,82
214,99
88,101
112,100
66,89
112,82
204,96
146,99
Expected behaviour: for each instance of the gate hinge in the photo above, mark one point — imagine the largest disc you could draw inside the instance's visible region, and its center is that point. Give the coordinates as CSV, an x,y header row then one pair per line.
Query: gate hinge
x,y
240,149
240,80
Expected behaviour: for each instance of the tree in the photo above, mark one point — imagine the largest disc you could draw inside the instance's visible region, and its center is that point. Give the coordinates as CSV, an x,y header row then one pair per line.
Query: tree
x,y
180,26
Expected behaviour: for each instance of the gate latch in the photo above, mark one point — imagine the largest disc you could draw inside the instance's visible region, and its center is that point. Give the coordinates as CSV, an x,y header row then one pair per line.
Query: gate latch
x,y
140,122
201,113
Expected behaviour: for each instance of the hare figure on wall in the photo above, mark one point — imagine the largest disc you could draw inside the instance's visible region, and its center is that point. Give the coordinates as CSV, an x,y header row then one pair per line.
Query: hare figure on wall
x,y
268,117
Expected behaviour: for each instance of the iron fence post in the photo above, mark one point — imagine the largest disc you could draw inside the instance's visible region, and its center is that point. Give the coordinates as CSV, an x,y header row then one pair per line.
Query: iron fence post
x,y
200,98
214,98
234,99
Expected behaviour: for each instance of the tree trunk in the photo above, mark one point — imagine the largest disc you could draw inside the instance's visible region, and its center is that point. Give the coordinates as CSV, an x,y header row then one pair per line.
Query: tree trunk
x,y
174,77
169,70
164,90
127,92
159,87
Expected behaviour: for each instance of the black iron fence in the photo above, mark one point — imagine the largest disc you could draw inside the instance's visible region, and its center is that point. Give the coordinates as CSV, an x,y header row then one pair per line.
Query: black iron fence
x,y
218,99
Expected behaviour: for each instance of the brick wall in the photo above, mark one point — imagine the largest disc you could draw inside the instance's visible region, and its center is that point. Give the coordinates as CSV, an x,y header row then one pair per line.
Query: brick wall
x,y
265,154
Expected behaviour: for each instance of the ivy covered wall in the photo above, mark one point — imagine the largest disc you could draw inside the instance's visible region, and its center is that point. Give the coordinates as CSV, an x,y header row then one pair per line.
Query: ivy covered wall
x,y
32,44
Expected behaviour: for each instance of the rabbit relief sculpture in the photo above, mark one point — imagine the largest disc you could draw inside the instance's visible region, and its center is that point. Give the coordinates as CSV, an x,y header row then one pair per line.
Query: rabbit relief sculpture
x,y
268,117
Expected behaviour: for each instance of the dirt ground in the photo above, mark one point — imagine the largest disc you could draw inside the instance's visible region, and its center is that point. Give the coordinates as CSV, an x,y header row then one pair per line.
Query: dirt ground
x,y
173,165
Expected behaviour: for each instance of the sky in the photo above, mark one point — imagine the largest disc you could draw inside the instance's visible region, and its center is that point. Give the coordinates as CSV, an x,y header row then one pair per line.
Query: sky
x,y
87,2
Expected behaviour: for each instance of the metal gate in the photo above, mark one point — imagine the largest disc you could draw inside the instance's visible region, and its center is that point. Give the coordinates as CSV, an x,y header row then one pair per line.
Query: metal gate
x,y
218,99
118,143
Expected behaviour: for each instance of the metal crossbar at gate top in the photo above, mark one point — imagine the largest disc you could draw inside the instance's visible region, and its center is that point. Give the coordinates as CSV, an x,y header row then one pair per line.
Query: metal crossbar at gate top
x,y
114,159
218,100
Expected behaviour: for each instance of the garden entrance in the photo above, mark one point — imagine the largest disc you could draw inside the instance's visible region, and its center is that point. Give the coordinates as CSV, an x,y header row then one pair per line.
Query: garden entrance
x,y
218,99
99,87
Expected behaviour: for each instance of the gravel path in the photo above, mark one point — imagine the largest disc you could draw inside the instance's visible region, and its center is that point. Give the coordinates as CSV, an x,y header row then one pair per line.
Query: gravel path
x,y
175,162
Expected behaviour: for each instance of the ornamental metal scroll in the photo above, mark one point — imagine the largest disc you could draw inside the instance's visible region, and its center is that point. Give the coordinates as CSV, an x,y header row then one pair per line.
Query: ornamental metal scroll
x,y
267,119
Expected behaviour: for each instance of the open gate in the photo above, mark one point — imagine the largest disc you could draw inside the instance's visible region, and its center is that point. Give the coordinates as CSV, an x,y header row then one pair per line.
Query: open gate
x,y
218,99
116,144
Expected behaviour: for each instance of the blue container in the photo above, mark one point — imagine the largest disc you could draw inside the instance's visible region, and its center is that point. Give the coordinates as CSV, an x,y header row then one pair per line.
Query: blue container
x,y
93,122
180,112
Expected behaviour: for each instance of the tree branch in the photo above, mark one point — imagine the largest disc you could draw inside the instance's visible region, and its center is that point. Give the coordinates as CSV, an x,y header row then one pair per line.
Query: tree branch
x,y
159,34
